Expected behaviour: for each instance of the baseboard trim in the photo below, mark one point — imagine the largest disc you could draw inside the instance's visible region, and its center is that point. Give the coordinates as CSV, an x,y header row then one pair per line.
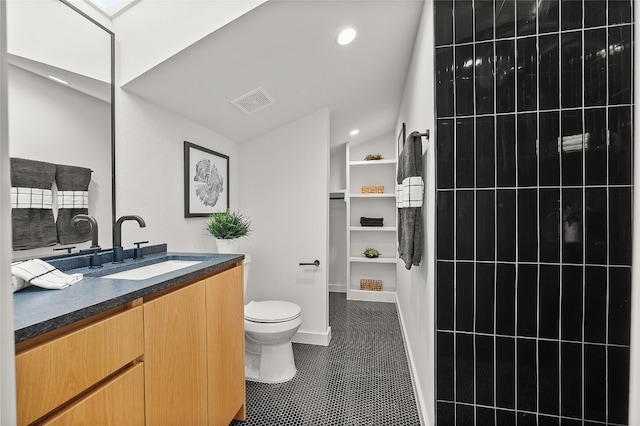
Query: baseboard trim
x,y
310,338
337,288
417,390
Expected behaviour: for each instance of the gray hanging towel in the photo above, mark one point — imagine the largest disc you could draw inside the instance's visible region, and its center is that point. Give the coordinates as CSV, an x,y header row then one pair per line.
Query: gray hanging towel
x,y
32,221
409,196
73,198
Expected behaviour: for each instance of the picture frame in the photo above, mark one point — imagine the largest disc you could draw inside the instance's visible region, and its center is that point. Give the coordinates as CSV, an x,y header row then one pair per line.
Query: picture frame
x,y
206,181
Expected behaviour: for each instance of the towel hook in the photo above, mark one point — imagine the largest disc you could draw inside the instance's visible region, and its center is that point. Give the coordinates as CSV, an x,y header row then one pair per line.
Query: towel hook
x,y
425,134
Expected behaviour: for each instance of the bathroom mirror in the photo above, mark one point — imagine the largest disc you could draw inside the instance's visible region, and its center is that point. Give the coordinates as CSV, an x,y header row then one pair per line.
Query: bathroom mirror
x,y
60,100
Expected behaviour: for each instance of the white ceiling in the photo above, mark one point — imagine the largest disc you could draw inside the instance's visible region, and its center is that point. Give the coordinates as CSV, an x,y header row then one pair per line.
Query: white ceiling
x,y
82,83
288,48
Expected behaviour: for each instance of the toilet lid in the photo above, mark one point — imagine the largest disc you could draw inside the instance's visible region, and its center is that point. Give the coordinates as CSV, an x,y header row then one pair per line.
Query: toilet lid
x,y
271,311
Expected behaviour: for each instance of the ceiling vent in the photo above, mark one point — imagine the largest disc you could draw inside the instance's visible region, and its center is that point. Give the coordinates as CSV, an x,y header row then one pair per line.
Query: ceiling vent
x,y
253,101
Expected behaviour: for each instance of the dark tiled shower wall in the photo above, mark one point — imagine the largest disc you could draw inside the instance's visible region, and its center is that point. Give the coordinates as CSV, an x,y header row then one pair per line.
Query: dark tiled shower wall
x,y
534,172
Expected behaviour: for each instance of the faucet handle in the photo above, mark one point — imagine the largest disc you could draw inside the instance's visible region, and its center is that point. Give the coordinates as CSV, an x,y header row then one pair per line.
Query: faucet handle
x,y
137,252
95,260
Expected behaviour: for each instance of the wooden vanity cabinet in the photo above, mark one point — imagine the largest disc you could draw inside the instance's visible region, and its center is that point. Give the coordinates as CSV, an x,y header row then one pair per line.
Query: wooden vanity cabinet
x,y
225,346
194,353
73,365
174,358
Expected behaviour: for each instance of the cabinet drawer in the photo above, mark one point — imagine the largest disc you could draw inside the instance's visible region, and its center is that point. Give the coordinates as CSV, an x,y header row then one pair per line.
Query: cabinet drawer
x,y
53,372
118,402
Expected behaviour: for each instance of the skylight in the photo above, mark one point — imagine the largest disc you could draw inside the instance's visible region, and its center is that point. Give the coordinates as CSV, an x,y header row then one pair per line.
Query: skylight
x,y
111,8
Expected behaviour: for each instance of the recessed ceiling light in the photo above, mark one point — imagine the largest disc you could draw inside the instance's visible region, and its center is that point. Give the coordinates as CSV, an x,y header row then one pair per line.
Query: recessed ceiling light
x,y
354,132
58,80
346,36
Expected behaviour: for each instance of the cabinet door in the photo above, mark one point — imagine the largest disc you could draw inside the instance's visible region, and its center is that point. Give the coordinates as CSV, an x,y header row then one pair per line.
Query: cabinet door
x,y
176,358
225,343
118,402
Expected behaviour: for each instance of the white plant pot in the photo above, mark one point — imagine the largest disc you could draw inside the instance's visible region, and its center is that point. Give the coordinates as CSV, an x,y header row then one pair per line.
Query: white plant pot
x,y
227,246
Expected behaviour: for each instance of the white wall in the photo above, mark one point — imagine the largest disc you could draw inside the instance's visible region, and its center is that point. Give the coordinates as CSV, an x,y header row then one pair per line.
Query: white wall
x,y
338,246
338,169
415,288
152,31
284,190
384,145
149,139
7,360
338,222
73,129
71,43
150,174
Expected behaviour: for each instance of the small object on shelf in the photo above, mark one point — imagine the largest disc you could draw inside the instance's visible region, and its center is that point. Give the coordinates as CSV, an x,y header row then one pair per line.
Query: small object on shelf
x,y
372,189
370,157
371,285
371,253
371,221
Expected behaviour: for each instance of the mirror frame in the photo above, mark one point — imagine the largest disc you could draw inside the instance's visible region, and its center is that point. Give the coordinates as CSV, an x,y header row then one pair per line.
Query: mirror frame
x,y
113,108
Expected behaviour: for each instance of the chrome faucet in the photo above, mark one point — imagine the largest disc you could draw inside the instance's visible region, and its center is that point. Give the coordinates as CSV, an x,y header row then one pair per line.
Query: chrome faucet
x,y
94,227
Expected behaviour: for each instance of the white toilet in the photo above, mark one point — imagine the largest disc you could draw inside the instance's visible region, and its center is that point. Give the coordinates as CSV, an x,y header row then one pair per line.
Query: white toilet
x,y
268,329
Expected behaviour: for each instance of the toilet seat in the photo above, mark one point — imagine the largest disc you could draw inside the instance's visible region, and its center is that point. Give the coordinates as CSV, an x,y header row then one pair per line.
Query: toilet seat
x,y
271,311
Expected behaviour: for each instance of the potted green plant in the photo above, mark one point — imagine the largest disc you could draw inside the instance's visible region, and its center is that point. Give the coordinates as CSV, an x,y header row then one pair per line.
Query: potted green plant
x,y
227,227
371,253
371,157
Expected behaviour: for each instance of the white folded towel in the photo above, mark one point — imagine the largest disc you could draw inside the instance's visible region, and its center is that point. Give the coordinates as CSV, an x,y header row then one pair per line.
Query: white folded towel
x,y
410,192
39,273
18,283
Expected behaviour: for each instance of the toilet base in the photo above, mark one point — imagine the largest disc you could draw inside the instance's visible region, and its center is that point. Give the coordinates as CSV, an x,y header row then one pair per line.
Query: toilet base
x,y
269,363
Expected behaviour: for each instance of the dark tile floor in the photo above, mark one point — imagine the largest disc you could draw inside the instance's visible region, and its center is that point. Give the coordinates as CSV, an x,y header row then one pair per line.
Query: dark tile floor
x,y
361,378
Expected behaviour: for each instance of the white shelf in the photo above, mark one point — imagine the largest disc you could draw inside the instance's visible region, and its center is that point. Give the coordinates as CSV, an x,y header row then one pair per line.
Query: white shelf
x,y
384,238
372,296
381,259
383,195
373,228
371,162
338,194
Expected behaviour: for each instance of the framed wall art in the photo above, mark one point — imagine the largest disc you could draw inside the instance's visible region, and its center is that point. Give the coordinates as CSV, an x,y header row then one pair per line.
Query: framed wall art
x,y
206,181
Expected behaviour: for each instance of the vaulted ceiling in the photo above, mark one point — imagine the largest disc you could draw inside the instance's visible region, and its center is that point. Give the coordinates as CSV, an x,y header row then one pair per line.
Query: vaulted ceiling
x,y
288,49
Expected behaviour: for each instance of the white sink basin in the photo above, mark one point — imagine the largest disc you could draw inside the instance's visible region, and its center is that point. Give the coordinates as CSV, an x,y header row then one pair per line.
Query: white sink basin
x,y
151,271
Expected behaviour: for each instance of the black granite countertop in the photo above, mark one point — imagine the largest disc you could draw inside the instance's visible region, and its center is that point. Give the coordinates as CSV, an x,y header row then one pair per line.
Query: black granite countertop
x,y
38,310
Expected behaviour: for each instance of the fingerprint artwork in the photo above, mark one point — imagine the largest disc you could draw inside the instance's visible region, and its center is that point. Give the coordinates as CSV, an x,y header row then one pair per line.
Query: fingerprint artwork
x,y
208,182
